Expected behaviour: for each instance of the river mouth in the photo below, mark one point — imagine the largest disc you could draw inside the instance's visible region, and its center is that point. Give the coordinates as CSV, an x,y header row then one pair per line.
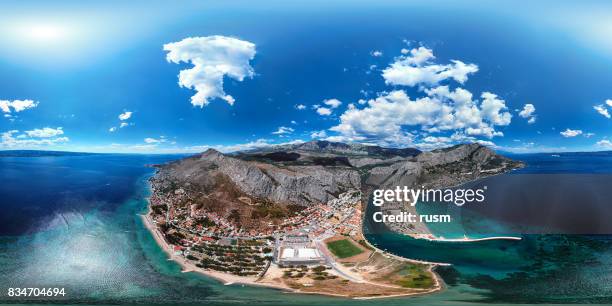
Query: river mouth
x,y
565,251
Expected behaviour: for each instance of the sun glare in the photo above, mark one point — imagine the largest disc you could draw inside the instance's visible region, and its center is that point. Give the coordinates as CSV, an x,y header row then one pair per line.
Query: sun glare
x,y
45,32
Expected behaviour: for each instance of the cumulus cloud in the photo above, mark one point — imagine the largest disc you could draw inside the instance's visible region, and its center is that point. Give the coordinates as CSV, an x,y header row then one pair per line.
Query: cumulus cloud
x,y
323,111
528,112
125,115
213,58
327,110
570,133
333,103
318,134
283,130
376,53
45,132
300,106
386,118
493,109
602,110
16,105
30,139
604,143
417,68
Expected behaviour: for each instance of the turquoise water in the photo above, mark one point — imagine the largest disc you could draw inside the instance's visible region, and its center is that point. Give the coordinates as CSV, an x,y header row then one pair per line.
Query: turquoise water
x,y
92,242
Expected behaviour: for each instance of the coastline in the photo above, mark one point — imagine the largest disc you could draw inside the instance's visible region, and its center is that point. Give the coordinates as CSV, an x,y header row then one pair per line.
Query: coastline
x,y
228,279
429,237
224,278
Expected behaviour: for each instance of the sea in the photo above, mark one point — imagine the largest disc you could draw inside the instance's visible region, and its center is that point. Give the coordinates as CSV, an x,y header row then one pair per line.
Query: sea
x,y
73,222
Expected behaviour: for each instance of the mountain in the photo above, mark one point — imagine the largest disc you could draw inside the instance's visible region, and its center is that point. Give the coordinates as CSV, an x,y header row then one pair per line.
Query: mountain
x,y
284,178
442,168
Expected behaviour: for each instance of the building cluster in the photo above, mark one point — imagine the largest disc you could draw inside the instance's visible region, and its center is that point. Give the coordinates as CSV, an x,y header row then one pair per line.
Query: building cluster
x,y
297,250
215,242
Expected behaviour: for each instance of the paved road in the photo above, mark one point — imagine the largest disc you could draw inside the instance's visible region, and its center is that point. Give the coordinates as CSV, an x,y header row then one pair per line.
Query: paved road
x,y
334,265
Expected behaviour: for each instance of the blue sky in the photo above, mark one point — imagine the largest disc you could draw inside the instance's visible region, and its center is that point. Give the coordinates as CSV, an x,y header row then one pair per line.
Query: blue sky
x,y
380,72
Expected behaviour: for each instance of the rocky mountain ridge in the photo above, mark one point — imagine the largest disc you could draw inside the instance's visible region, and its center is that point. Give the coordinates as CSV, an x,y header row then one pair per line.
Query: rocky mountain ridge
x,y
317,171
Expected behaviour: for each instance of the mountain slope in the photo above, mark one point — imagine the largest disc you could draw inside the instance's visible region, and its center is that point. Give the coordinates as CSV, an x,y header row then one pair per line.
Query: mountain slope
x,y
285,178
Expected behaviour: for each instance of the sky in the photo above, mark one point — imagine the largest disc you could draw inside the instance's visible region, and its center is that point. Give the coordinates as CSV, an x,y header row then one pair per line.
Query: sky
x,y
155,77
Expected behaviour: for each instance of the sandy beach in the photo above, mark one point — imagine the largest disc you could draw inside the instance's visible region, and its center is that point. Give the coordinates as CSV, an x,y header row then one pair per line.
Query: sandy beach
x,y
187,266
431,237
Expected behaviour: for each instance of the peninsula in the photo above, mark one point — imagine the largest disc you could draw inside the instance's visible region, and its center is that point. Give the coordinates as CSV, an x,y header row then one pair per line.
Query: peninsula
x,y
290,216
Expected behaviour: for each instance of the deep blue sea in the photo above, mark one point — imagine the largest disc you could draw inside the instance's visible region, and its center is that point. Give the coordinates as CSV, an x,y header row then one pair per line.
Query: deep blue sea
x,y
72,222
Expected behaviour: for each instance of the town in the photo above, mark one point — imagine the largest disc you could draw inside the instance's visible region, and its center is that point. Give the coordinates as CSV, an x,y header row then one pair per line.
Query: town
x,y
312,236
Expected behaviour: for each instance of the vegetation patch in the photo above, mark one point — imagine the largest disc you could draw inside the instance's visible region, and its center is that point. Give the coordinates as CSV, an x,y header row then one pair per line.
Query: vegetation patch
x,y
414,276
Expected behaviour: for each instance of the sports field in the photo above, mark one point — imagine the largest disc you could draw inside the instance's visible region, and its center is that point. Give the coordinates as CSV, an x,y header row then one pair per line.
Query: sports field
x,y
343,248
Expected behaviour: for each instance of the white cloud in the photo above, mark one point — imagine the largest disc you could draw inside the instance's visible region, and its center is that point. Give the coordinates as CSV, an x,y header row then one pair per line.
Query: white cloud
x,y
436,142
327,111
294,122
123,124
300,106
112,129
283,130
528,112
323,111
150,140
333,103
16,105
318,134
45,132
570,133
588,135
604,143
376,53
125,115
386,118
601,109
39,138
213,58
492,109
417,68
609,102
